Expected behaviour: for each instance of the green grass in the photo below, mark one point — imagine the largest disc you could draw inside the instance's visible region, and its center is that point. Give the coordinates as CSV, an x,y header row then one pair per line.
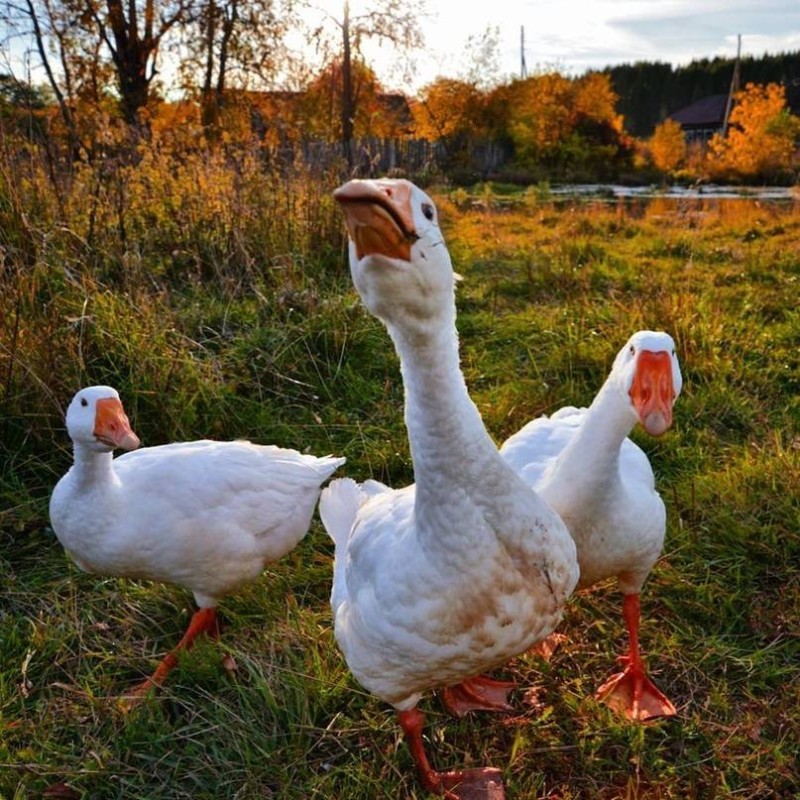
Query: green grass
x,y
242,326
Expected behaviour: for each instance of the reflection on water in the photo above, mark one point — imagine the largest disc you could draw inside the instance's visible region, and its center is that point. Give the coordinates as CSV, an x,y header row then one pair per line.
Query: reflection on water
x,y
710,191
695,206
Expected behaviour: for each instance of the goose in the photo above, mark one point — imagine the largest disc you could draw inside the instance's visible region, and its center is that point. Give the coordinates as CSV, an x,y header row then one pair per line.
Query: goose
x,y
602,485
205,515
438,581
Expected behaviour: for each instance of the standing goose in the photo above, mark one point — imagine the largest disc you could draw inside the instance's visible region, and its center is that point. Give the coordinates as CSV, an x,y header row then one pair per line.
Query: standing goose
x,y
205,515
602,485
439,581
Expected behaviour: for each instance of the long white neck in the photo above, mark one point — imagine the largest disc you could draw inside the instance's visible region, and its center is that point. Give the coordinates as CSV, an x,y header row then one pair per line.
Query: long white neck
x,y
590,462
449,442
91,469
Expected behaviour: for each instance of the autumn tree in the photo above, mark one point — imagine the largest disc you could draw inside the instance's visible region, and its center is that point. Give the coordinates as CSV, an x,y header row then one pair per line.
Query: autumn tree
x,y
236,44
457,107
668,146
539,116
567,125
132,32
320,104
448,108
393,22
761,135
127,34
47,27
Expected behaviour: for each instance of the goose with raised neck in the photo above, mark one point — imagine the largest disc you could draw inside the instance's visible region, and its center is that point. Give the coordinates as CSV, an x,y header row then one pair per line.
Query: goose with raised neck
x,y
468,567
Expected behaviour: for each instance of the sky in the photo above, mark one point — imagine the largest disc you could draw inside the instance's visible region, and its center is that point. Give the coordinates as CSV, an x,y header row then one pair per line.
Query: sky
x,y
576,35
571,35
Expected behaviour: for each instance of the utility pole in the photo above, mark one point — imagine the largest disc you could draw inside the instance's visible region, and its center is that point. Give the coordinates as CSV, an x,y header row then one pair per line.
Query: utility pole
x,y
523,70
734,86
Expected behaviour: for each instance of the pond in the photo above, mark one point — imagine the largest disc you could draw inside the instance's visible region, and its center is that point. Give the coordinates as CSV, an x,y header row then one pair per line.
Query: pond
x,y
703,192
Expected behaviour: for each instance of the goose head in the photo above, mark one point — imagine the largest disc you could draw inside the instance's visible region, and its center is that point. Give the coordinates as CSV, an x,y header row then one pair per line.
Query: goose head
x,y
398,259
647,373
97,420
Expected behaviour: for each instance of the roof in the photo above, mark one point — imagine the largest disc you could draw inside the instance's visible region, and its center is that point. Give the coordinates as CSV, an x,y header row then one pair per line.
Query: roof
x,y
708,112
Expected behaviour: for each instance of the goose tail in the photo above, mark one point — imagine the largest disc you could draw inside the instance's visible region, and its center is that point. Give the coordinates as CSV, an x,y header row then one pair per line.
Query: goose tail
x,y
338,508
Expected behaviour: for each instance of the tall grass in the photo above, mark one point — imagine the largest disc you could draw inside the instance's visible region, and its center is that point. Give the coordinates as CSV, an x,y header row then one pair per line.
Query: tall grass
x,y
213,293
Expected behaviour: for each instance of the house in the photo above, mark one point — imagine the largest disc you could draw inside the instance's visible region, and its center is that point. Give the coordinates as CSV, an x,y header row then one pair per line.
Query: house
x,y
701,120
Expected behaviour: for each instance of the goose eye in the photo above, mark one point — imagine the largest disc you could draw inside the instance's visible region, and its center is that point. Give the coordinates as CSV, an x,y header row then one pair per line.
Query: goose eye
x,y
673,353
84,402
633,350
427,210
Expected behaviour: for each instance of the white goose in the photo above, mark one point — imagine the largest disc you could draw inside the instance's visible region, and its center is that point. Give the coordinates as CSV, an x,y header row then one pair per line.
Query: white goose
x,y
205,515
602,485
439,581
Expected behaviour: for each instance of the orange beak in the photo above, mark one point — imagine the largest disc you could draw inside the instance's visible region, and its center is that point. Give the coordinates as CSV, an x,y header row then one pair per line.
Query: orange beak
x,y
111,425
378,217
652,392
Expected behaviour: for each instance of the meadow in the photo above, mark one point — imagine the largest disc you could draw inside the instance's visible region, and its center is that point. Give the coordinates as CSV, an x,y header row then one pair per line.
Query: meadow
x,y
214,295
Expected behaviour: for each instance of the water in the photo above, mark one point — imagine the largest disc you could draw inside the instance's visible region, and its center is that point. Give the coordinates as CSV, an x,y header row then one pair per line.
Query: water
x,y
709,191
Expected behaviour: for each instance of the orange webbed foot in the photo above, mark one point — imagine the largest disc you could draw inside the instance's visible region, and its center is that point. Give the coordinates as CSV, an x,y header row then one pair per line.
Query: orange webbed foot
x,y
480,693
135,695
633,694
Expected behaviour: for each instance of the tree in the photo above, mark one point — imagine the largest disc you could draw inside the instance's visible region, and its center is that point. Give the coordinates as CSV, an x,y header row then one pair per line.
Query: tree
x,y
23,107
481,59
541,113
48,28
389,21
567,125
133,32
80,33
448,108
761,135
668,146
320,104
236,44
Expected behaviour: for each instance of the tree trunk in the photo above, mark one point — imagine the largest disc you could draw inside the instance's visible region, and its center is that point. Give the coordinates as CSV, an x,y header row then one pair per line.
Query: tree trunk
x,y
209,110
63,107
347,89
228,25
131,54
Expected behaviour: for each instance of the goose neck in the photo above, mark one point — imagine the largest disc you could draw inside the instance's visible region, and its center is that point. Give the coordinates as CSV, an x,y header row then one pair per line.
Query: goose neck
x,y
445,429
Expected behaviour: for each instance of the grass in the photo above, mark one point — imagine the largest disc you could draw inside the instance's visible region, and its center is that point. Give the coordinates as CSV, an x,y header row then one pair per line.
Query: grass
x,y
236,318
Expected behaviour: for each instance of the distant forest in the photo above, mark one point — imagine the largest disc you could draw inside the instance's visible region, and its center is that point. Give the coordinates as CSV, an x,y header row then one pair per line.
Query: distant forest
x,y
649,91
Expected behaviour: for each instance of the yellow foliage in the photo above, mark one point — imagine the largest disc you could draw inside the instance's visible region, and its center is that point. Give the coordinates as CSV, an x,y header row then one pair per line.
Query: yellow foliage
x,y
668,146
760,137
175,121
565,120
448,107
595,99
543,111
375,115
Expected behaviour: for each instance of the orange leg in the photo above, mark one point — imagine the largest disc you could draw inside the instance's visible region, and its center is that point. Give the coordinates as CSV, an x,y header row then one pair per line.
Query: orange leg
x,y
469,784
631,692
480,693
204,620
